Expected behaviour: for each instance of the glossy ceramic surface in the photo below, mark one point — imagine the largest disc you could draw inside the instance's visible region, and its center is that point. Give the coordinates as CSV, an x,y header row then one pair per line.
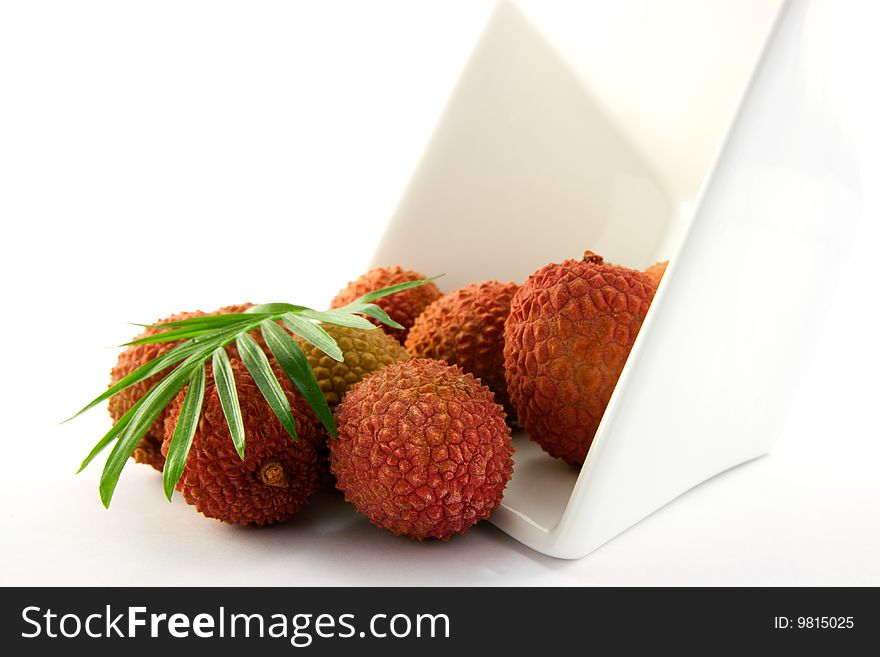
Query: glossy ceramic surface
x,y
528,165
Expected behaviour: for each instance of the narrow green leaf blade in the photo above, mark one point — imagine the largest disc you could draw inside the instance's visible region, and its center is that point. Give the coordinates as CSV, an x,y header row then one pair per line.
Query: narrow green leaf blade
x,y
204,321
258,365
121,424
374,311
117,428
340,318
313,334
152,404
173,356
224,380
274,308
158,364
294,363
181,440
171,335
400,287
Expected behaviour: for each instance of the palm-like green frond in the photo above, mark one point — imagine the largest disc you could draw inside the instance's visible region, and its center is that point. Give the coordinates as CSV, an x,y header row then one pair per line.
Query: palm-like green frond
x,y
205,338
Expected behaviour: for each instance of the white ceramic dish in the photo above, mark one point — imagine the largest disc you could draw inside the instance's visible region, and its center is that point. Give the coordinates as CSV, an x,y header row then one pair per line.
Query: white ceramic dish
x,y
743,181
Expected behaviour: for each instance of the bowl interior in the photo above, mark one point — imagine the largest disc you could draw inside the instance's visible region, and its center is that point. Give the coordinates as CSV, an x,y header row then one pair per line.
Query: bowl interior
x,y
573,128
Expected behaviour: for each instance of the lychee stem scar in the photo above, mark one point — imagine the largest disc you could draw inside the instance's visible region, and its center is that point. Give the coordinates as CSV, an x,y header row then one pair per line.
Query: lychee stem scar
x,y
274,474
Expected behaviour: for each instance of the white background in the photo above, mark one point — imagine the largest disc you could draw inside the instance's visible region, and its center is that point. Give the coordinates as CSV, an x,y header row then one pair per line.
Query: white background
x,y
164,156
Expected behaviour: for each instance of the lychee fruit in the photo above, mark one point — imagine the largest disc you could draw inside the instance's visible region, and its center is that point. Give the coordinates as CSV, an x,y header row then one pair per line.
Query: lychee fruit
x,y
277,476
363,351
403,307
655,272
423,449
148,449
570,330
466,328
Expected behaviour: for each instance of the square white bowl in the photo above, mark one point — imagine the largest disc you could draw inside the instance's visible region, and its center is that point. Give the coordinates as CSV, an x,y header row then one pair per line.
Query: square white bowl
x,y
706,142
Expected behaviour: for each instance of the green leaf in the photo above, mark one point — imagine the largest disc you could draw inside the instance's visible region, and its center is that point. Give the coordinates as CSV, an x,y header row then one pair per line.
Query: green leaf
x,y
274,308
169,358
400,287
205,321
153,403
199,355
313,334
224,380
171,335
374,311
111,435
158,364
345,316
181,440
261,372
294,363
340,318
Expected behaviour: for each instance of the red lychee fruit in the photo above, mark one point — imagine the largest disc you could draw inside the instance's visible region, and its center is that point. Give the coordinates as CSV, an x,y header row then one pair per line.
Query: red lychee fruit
x,y
655,272
277,476
570,330
423,449
466,328
402,307
148,449
364,351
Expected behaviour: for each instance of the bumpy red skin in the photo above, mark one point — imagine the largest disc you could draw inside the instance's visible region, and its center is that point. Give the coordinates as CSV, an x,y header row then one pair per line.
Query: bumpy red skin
x,y
423,449
402,307
277,476
363,352
149,449
570,330
655,272
466,328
